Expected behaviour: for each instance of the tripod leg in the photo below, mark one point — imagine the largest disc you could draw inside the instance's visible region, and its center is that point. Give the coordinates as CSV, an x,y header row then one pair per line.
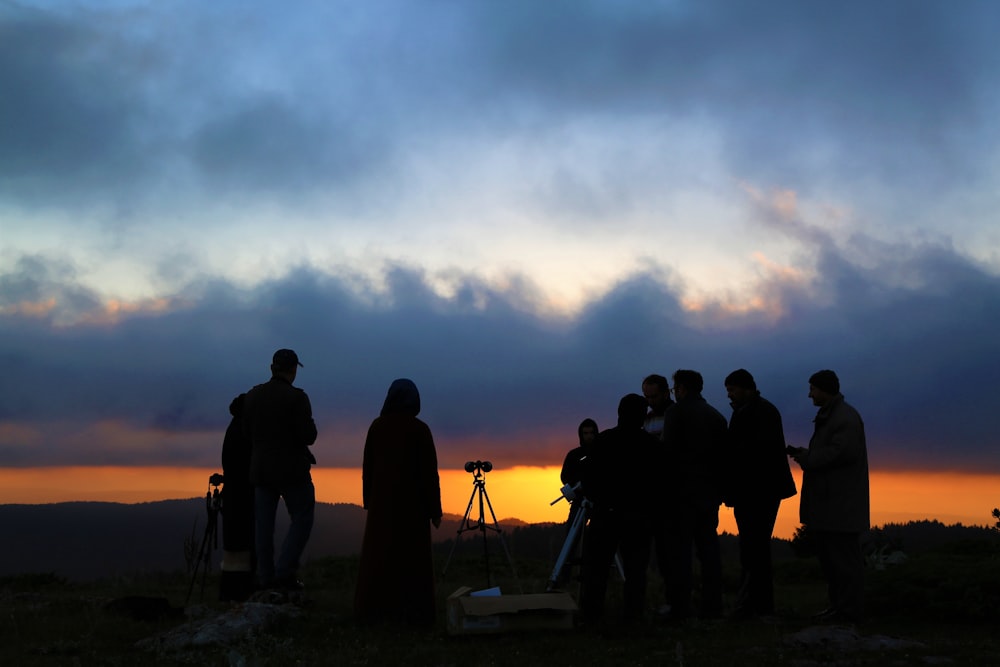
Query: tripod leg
x,y
213,537
482,529
198,561
579,521
503,543
461,529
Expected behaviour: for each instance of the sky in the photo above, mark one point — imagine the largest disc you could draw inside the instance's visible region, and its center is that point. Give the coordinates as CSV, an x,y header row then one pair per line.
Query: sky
x,y
524,207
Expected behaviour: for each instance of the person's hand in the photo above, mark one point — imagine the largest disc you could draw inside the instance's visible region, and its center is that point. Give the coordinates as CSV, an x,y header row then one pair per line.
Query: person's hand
x,y
795,452
436,521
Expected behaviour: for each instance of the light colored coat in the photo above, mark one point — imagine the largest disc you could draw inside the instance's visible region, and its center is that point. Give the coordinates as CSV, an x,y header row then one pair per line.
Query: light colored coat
x,y
835,494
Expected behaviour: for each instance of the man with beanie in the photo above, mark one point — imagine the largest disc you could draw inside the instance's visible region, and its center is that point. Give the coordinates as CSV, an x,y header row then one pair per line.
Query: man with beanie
x,y
834,506
758,479
278,420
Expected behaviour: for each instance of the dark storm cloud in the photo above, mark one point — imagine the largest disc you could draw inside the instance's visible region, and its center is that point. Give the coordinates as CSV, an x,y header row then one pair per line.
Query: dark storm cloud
x,y
896,89
916,356
67,114
108,103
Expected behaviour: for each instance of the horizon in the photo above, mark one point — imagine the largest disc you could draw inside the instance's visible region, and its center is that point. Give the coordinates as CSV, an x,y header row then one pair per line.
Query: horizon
x,y
519,493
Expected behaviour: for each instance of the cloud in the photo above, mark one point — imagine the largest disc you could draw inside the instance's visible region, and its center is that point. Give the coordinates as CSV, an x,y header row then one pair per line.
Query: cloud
x,y
914,355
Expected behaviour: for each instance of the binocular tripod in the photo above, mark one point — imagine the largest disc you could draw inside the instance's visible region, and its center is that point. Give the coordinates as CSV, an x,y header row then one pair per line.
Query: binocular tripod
x,y
479,470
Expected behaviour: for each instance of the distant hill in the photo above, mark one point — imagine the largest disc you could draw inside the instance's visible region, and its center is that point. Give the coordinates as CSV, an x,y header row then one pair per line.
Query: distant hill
x,y
89,540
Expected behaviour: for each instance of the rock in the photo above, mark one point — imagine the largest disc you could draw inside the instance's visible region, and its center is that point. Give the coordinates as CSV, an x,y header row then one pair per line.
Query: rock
x,y
227,628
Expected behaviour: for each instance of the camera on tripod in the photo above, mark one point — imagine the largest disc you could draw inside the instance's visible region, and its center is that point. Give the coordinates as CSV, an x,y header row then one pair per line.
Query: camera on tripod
x,y
216,479
478,466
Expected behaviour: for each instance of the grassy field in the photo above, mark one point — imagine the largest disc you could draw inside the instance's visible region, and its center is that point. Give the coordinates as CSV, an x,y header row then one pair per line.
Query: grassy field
x,y
947,599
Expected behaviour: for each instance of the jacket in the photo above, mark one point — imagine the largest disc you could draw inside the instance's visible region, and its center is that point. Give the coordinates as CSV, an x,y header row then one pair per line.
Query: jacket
x,y
277,418
757,464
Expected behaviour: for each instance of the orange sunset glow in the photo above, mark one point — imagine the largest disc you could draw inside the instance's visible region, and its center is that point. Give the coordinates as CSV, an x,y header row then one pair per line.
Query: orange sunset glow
x,y
520,492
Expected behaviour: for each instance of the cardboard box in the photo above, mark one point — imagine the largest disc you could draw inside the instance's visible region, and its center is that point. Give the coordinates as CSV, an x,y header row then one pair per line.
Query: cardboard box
x,y
477,614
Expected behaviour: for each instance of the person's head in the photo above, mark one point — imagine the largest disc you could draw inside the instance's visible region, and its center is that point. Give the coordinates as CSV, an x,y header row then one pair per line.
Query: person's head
x,y
823,386
656,391
285,363
236,407
687,383
402,398
740,386
587,431
631,411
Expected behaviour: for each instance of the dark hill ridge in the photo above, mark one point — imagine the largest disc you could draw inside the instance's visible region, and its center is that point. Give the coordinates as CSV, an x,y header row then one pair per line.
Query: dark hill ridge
x,y
88,540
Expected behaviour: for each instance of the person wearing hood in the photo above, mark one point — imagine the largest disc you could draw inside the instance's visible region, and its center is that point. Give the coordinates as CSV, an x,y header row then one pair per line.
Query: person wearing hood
x,y
402,494
835,505
759,479
572,468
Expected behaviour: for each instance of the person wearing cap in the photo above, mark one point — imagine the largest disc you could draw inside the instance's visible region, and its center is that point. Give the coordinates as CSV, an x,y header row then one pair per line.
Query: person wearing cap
x,y
759,479
835,506
277,418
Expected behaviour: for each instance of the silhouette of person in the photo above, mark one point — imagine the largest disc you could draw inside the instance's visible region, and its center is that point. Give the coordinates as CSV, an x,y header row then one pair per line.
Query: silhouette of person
x,y
759,479
835,505
620,516
656,390
401,491
694,436
572,475
278,421
572,468
236,581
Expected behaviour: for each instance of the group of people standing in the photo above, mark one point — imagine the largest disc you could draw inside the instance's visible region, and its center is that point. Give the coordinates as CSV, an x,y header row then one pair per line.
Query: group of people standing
x,y
654,484
266,457
654,481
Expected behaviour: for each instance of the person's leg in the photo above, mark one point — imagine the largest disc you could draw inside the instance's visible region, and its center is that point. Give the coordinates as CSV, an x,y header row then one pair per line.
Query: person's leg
x,y
265,508
634,545
822,540
706,539
300,501
599,547
848,564
755,522
663,551
680,537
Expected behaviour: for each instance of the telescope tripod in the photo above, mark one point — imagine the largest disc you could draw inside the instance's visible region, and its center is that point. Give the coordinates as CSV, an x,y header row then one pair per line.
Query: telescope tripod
x,y
574,538
482,499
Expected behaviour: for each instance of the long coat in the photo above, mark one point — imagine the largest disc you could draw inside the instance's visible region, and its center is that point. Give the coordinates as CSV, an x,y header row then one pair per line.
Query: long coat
x,y
835,493
401,492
